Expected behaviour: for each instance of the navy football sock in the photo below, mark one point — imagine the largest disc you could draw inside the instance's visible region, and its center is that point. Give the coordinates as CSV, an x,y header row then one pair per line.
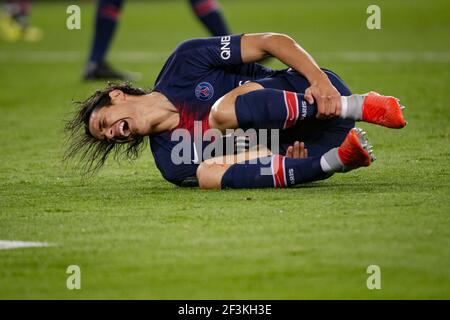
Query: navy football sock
x,y
272,109
18,10
108,12
273,172
209,14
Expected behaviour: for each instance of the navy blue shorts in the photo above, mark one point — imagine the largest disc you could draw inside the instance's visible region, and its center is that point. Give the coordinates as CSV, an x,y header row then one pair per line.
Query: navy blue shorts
x,y
319,136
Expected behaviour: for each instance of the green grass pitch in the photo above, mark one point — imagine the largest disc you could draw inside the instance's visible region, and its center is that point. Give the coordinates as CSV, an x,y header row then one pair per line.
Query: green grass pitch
x,y
134,235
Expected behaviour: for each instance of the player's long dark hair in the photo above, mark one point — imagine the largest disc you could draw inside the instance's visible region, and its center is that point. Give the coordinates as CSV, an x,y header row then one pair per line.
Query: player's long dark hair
x,y
91,151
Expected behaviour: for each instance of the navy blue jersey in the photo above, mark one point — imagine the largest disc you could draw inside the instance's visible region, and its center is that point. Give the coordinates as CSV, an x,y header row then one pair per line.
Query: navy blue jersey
x,y
196,75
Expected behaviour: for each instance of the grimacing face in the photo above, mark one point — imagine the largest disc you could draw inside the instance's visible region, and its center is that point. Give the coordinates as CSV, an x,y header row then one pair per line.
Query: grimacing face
x,y
117,122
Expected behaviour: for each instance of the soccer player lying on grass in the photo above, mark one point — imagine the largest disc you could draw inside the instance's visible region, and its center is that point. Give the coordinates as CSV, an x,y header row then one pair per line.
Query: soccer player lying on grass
x,y
218,82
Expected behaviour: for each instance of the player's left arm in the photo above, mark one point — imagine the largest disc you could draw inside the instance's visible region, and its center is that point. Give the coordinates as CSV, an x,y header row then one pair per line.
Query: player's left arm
x,y
255,47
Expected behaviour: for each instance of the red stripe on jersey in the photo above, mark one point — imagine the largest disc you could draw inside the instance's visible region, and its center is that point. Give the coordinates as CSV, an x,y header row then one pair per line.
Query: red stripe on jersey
x,y
204,7
290,99
278,171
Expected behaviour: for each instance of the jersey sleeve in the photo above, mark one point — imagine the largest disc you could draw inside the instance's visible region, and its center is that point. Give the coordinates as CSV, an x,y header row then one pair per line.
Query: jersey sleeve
x,y
177,174
207,53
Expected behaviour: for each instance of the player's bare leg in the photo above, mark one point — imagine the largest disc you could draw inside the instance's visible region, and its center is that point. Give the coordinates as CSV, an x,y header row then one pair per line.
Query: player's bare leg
x,y
283,171
211,171
270,108
223,113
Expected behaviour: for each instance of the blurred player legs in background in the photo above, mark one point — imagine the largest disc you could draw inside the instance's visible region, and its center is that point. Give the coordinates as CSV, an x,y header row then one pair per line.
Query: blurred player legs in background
x,y
208,12
14,23
107,17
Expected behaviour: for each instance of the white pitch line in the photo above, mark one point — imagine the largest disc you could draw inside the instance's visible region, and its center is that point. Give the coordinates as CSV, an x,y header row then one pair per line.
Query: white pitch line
x,y
152,56
76,56
12,244
389,56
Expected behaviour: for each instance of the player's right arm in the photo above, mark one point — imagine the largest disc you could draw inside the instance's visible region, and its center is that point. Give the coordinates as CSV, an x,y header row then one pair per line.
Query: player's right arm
x,y
255,47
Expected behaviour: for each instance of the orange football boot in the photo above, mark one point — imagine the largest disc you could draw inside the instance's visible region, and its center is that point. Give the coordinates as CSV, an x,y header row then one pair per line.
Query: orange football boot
x,y
356,151
385,111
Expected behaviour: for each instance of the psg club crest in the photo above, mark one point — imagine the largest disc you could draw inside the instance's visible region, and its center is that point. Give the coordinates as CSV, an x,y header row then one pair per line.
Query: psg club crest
x,y
204,91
